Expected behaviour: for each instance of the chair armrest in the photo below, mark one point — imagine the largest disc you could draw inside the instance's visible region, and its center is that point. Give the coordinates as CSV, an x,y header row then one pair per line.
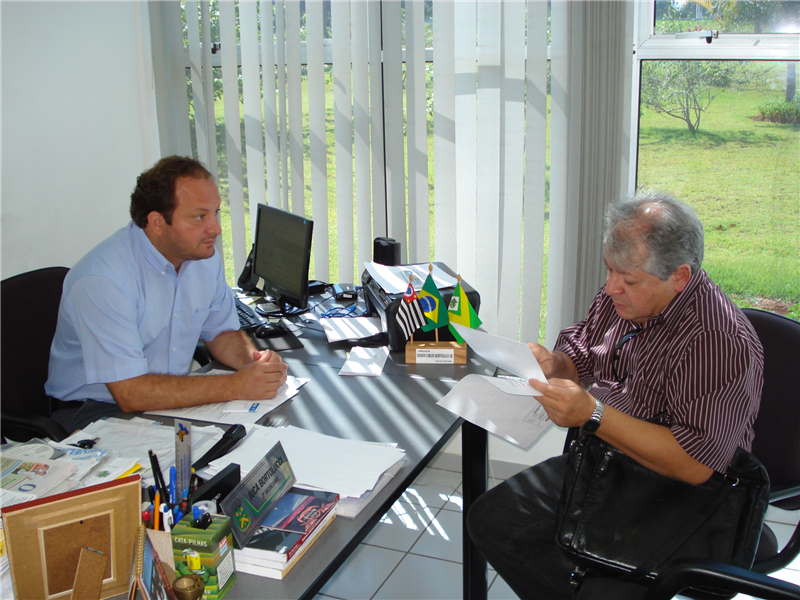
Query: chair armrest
x,y
783,491
202,354
787,555
39,425
688,572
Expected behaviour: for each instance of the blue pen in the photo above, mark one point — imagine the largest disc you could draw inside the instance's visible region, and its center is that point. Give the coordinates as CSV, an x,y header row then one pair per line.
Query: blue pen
x,y
173,483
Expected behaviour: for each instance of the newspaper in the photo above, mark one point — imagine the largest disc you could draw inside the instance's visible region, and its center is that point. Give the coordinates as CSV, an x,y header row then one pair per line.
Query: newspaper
x,y
37,477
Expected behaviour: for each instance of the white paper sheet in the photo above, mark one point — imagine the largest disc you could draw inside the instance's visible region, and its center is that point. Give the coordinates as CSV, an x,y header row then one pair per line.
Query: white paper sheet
x,y
394,280
365,361
350,328
520,419
235,411
515,357
132,438
348,467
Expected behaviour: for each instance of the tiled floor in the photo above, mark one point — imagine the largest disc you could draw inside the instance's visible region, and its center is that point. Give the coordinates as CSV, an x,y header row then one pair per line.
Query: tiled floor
x,y
415,551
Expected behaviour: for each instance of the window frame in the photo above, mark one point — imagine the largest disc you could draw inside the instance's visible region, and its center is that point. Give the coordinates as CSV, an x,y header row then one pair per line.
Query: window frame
x,y
647,45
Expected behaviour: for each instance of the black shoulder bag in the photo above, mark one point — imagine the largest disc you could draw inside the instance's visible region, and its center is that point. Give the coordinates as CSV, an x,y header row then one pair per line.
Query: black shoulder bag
x,y
618,517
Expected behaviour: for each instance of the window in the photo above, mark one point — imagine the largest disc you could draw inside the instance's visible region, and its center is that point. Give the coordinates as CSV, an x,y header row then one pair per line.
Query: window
x,y
721,132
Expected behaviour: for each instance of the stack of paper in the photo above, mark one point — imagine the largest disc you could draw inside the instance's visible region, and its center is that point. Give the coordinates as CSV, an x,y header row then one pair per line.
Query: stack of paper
x,y
235,411
351,468
129,440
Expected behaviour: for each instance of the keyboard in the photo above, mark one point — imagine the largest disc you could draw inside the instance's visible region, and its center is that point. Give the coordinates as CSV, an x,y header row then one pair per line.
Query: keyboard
x,y
247,316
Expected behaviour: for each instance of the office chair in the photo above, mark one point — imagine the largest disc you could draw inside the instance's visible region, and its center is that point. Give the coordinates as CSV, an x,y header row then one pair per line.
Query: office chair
x,y
777,445
29,311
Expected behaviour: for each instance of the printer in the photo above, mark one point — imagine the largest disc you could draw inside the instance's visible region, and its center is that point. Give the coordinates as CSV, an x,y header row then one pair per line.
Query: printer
x,y
385,305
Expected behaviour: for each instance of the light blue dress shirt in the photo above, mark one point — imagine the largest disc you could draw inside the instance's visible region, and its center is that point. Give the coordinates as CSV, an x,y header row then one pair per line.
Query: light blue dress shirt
x,y
125,312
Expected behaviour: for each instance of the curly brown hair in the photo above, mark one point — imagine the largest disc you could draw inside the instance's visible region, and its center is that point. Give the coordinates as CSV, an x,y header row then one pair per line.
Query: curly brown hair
x,y
155,188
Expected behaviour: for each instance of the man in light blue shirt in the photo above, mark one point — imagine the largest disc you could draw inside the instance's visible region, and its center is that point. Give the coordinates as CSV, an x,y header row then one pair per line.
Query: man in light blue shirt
x,y
134,307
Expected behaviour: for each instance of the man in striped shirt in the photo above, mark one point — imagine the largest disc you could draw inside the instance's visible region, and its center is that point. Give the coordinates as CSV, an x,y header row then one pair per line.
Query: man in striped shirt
x,y
660,337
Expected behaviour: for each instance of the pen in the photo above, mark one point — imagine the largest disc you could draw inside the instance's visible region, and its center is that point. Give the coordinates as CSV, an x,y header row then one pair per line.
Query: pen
x,y
173,483
158,476
166,517
156,511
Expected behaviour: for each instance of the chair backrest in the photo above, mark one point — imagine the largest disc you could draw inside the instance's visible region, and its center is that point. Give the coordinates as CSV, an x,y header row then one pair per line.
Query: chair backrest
x,y
28,314
777,428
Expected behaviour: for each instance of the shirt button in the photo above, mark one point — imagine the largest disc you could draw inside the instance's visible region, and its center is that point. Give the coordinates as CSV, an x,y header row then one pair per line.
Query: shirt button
x,y
174,314
173,349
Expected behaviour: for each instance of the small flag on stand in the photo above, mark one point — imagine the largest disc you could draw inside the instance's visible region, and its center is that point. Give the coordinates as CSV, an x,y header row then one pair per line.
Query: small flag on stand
x,y
460,311
432,304
409,314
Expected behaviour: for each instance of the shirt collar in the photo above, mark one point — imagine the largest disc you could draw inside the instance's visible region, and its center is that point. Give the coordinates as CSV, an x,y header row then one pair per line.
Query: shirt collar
x,y
677,305
148,250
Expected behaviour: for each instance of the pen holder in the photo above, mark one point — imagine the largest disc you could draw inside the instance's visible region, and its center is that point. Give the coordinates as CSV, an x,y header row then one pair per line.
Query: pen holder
x,y
207,553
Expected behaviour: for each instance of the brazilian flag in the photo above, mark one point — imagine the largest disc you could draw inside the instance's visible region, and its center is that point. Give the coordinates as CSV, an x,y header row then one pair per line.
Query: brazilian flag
x,y
432,305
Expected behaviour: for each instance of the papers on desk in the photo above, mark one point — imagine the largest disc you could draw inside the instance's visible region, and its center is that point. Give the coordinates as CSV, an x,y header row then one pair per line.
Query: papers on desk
x,y
394,280
129,440
350,328
353,469
20,473
365,361
235,411
505,407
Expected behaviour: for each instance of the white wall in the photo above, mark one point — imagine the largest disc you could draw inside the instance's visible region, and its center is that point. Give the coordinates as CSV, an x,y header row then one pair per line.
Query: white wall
x,y
78,125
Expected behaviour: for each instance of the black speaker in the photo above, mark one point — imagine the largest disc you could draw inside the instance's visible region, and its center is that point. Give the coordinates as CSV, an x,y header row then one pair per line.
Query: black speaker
x,y
386,251
248,280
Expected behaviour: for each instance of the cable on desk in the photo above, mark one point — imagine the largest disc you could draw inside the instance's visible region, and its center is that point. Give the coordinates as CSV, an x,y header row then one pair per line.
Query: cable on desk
x,y
343,311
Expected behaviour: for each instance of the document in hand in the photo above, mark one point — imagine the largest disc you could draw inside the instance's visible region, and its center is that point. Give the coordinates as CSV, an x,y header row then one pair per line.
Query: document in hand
x,y
511,355
505,407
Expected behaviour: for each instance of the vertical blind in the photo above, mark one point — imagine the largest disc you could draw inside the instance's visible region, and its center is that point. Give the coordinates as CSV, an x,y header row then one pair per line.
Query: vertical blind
x,y
439,128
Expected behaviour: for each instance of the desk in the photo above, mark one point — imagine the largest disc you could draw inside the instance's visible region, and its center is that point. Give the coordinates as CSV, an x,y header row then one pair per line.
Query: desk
x,y
400,406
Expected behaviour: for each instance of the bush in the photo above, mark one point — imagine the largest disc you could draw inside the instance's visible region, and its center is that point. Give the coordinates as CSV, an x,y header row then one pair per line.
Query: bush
x,y
779,111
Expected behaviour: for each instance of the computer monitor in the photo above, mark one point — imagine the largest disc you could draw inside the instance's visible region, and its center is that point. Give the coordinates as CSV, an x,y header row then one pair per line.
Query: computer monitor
x,y
282,254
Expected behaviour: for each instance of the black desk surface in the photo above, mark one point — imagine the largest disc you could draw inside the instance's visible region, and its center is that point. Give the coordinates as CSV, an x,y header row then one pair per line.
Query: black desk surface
x,y
399,406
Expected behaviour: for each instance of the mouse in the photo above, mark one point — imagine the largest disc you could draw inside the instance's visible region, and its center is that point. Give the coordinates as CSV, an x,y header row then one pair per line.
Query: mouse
x,y
267,331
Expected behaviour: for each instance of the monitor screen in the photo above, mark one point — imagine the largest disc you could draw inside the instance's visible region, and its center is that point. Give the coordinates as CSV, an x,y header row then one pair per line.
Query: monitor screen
x,y
282,256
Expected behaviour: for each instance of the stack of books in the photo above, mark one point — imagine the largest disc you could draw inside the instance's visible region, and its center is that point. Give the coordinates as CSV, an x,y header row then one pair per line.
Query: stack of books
x,y
287,532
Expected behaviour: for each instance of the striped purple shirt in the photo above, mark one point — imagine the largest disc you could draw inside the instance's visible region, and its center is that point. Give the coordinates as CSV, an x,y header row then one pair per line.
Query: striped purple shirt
x,y
700,361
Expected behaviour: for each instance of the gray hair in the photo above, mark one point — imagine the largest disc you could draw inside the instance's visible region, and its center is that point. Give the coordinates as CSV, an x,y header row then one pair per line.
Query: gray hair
x,y
669,230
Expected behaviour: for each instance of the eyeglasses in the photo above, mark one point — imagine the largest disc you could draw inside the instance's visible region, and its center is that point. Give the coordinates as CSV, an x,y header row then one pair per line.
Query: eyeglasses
x,y
617,349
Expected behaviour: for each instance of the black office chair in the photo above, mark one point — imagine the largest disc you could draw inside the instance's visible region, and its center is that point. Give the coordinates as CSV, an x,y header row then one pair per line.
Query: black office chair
x,y
28,314
777,445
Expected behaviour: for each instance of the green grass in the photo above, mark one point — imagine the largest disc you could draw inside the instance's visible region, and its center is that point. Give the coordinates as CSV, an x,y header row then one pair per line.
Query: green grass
x,y
741,176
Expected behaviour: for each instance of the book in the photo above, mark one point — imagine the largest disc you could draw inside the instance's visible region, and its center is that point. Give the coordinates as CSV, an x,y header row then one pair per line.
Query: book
x,y
293,520
265,567
147,574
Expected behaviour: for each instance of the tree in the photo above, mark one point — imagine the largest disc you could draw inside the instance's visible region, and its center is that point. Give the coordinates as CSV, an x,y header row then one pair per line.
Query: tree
x,y
684,89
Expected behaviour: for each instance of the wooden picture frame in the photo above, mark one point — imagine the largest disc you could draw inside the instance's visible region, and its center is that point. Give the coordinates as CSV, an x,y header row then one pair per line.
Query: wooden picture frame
x,y
44,538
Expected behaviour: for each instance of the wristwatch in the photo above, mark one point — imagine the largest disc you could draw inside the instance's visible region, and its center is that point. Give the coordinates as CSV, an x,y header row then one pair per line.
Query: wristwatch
x,y
594,421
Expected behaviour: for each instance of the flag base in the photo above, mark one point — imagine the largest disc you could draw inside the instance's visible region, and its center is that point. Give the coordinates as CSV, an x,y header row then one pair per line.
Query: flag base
x,y
442,353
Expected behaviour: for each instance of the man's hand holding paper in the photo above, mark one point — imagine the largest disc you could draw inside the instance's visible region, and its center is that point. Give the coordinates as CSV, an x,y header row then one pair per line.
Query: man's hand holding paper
x,y
515,357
